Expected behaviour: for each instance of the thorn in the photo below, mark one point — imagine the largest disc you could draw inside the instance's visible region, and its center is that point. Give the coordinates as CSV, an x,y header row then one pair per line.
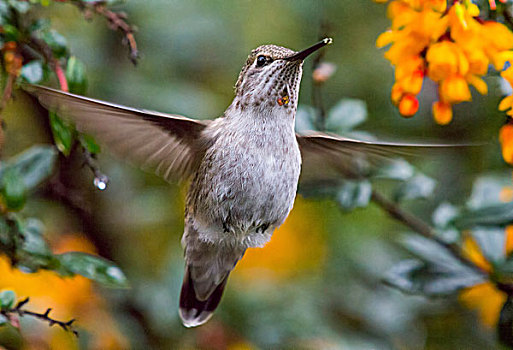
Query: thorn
x,y
47,312
21,303
70,322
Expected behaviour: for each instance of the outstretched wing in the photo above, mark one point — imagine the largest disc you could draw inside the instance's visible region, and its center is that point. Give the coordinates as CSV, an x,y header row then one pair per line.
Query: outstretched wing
x,y
327,156
165,143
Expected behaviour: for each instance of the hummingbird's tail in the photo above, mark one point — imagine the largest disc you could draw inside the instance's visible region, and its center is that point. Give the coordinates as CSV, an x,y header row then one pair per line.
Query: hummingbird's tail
x,y
193,311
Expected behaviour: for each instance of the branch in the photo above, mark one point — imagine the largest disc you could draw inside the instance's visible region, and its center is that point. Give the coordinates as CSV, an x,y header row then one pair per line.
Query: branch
x,y
419,226
100,179
46,51
117,21
18,310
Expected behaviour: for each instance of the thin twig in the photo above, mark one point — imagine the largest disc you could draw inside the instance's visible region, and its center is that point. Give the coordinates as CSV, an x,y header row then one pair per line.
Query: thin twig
x,y
100,179
422,228
42,47
68,326
117,21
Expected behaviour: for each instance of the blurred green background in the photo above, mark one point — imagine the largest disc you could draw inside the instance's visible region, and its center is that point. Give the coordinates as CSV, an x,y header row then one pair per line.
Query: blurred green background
x,y
318,283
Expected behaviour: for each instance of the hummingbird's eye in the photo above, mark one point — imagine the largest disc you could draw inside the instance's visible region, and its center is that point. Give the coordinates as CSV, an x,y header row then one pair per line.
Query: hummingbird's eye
x,y
262,60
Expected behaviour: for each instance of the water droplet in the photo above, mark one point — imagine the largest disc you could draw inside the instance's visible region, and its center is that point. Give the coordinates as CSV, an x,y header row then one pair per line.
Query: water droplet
x,y
101,182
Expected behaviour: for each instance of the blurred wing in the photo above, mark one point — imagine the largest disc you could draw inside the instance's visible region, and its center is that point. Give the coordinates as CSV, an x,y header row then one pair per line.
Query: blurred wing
x,y
326,156
167,144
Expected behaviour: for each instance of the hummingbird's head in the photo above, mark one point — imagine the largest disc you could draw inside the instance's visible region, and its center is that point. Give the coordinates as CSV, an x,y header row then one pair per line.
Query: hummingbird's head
x,y
271,76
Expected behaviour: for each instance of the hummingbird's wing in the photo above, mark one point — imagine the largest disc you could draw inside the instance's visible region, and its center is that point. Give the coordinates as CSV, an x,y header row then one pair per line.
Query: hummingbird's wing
x,y
328,156
165,143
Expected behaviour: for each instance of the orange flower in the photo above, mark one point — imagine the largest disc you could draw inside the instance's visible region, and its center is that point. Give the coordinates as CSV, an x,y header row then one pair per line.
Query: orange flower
x,y
451,46
506,140
442,112
446,59
409,105
454,90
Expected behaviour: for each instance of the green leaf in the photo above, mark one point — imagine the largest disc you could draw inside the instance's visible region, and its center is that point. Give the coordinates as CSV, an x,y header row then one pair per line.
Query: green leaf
x,y
7,299
419,186
444,215
20,6
3,320
13,189
486,191
10,33
395,169
63,133
34,252
416,277
346,115
438,273
75,74
354,194
11,338
40,24
491,241
56,41
493,215
89,143
430,251
34,165
505,325
95,268
5,232
33,72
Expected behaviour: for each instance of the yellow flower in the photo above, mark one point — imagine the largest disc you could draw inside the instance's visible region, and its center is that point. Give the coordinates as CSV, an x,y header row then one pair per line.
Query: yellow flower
x,y
454,90
507,102
478,61
446,59
451,46
508,75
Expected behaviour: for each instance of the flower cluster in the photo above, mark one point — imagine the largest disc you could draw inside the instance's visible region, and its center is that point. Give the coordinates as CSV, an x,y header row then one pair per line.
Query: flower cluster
x,y
450,45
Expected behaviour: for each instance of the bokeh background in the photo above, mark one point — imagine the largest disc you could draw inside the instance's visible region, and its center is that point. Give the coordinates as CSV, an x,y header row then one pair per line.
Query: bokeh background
x,y
317,285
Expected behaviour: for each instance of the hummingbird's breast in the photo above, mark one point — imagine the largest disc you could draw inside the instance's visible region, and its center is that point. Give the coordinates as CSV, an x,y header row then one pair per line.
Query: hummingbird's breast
x,y
246,184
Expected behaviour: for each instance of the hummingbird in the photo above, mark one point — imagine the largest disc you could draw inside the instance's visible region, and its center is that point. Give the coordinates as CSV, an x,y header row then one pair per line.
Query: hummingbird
x,y
243,167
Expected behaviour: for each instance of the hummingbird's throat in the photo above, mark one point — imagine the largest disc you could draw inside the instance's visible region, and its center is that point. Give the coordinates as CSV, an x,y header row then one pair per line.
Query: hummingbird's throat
x,y
285,96
284,100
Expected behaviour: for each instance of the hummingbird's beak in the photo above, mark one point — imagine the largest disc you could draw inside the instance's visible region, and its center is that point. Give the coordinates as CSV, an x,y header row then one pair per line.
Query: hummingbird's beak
x,y
301,55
